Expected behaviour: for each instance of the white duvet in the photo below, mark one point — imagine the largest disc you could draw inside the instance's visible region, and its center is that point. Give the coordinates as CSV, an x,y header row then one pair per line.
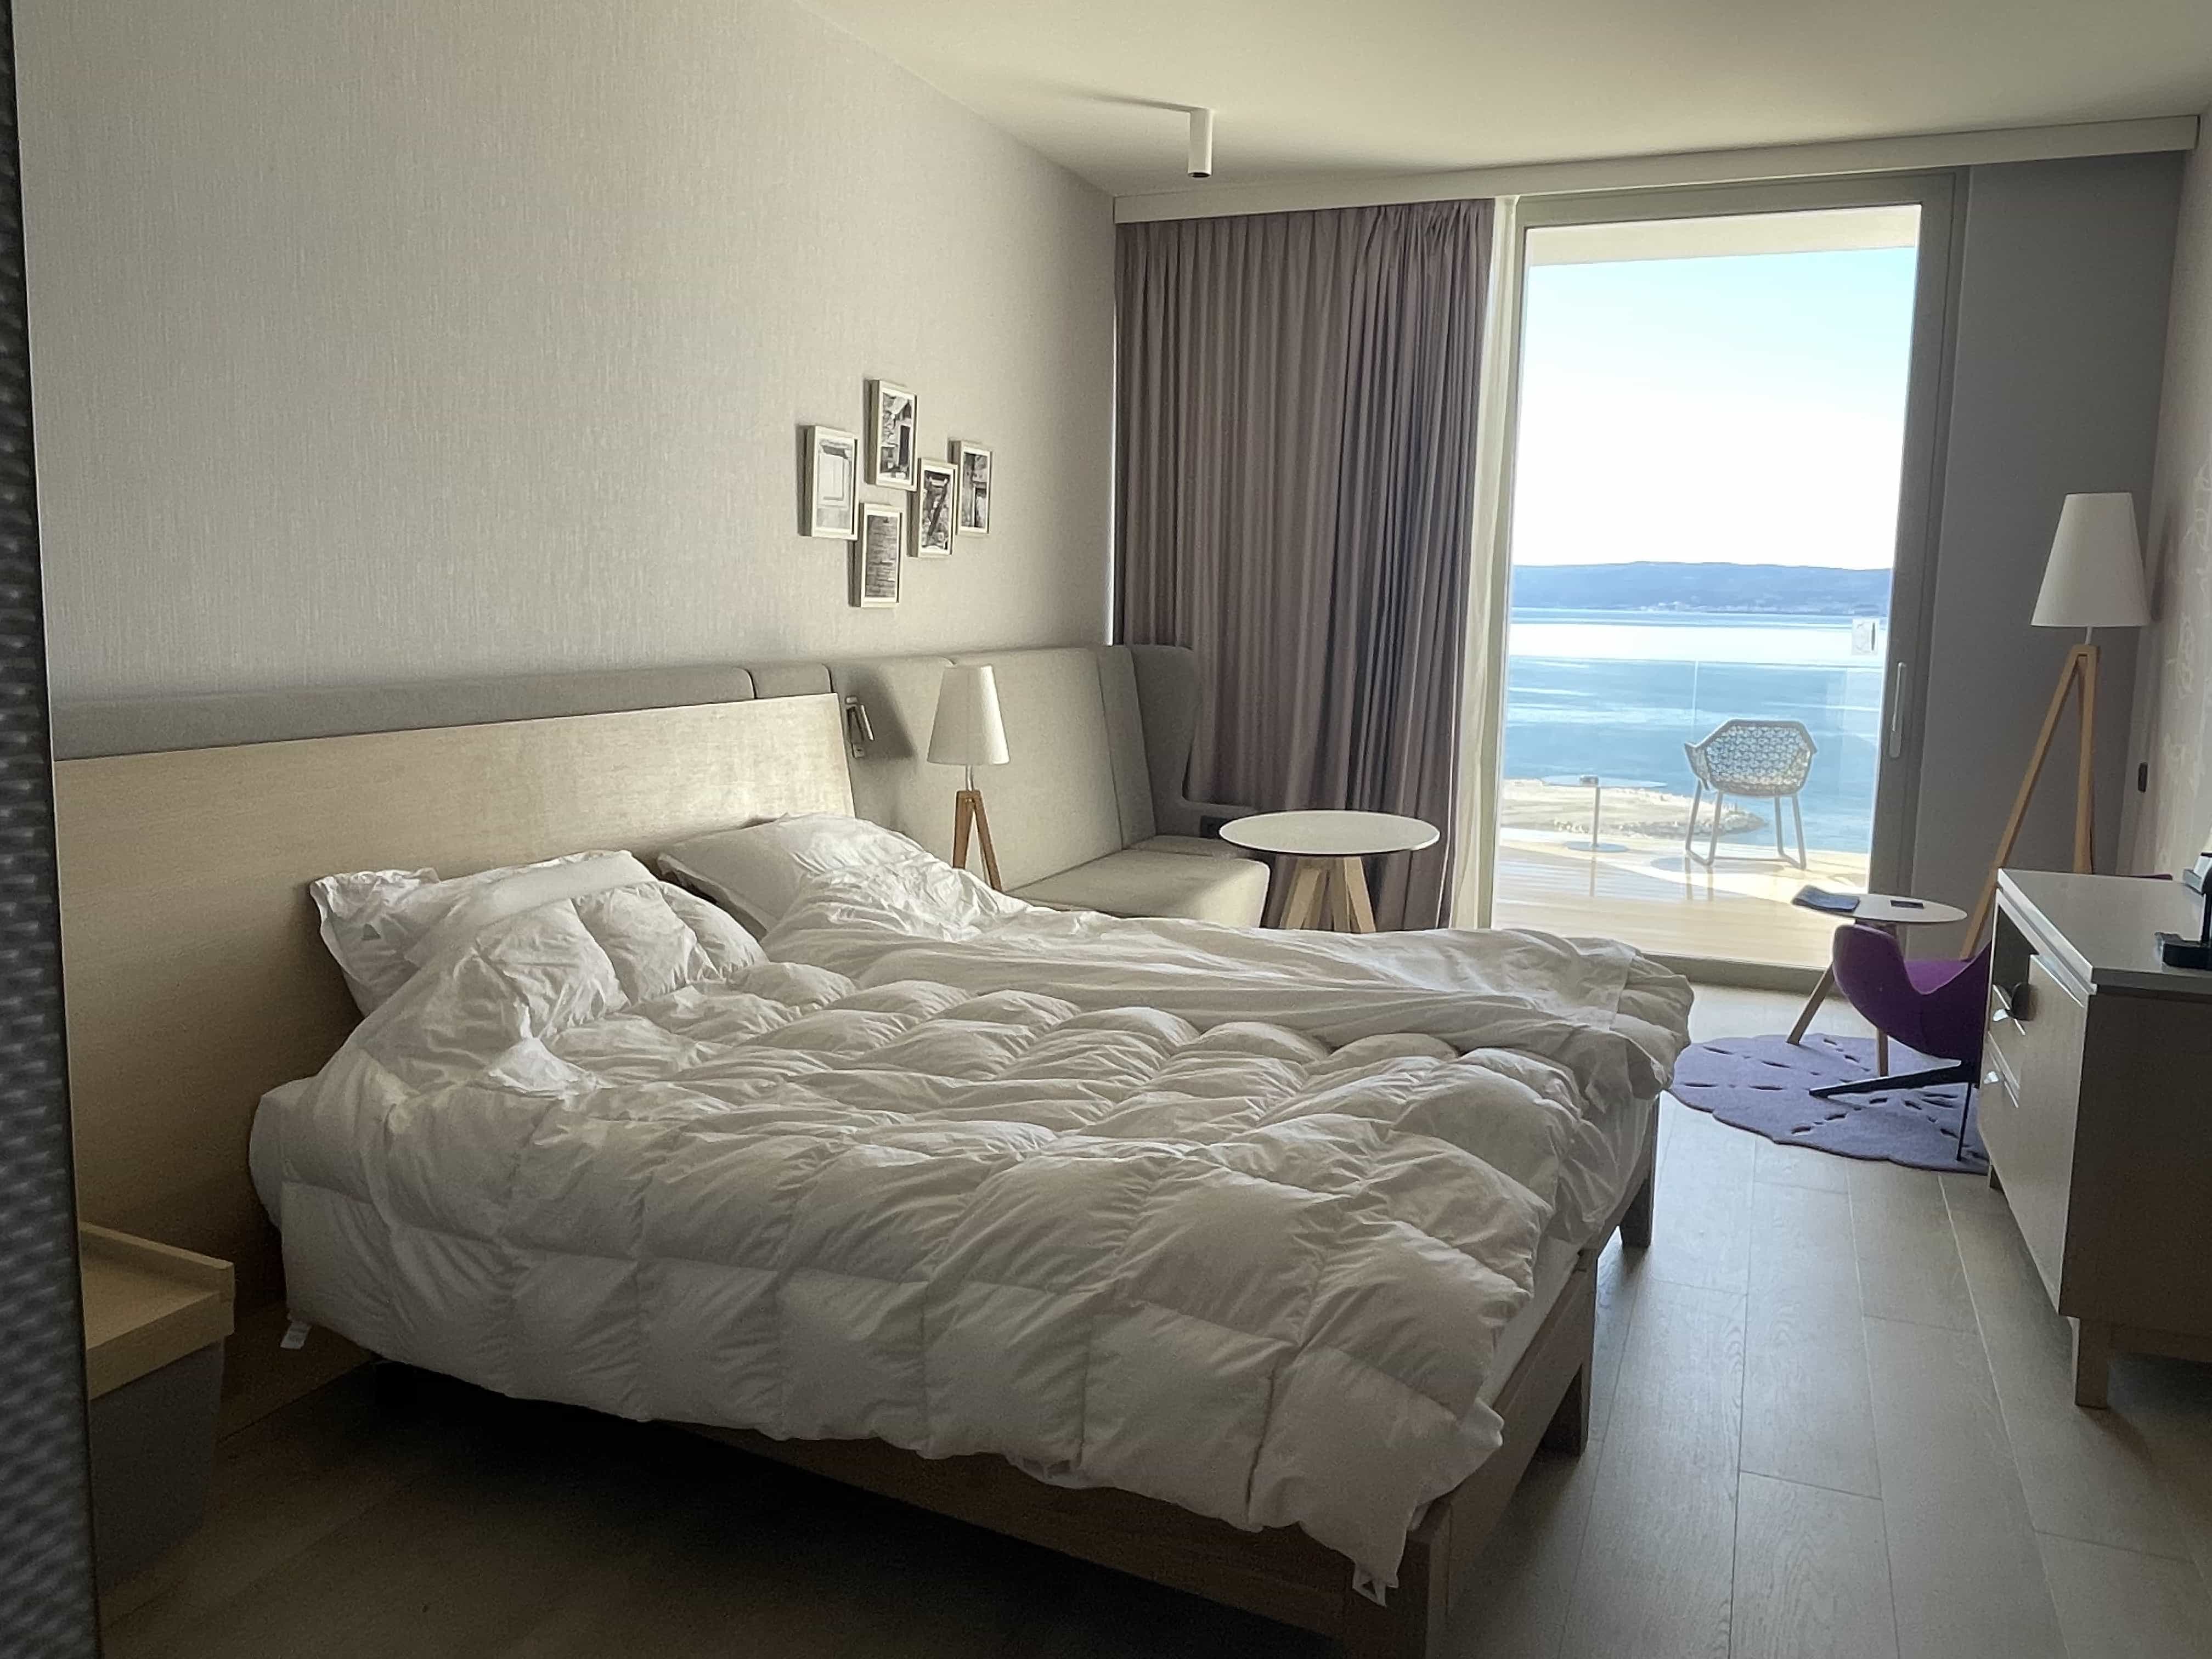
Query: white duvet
x,y
1241,1237
1612,1018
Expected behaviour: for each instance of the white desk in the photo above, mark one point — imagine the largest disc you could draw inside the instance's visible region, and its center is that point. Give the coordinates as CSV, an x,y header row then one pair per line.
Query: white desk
x,y
2096,1107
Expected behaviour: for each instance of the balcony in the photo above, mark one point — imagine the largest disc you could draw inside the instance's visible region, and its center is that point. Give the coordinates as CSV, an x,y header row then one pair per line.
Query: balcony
x,y
1641,888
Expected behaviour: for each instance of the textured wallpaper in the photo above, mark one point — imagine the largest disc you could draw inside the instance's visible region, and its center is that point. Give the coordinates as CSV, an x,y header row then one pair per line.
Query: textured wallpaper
x,y
416,339
2172,823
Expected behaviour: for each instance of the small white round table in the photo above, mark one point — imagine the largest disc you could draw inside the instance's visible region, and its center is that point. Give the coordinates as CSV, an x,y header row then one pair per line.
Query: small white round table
x,y
1328,884
1889,910
1598,783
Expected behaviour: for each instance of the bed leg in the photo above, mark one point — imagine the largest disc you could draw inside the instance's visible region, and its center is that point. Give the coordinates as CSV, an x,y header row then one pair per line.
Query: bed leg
x,y
1411,1624
1568,1429
1636,1220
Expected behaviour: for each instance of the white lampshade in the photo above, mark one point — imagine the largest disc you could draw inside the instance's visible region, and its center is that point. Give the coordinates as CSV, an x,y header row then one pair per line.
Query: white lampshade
x,y
2095,576
967,731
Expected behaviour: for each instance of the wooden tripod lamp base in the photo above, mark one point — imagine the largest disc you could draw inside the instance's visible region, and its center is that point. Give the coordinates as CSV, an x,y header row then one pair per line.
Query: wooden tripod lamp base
x,y
2079,673
967,812
970,731
2094,579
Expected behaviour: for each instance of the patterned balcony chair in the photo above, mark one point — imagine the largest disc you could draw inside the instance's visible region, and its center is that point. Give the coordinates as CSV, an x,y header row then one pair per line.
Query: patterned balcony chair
x,y
1760,760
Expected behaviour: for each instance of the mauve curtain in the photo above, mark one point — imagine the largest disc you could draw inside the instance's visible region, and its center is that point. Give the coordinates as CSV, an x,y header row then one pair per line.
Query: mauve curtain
x,y
1297,501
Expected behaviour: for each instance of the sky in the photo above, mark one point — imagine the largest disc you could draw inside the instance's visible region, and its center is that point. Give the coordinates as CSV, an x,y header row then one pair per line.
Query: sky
x,y
1747,409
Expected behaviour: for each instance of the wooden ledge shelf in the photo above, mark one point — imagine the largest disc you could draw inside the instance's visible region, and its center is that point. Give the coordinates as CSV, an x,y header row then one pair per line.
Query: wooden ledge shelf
x,y
146,1305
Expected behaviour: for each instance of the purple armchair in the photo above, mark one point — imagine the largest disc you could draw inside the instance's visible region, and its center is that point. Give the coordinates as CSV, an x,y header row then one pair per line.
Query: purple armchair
x,y
1936,1007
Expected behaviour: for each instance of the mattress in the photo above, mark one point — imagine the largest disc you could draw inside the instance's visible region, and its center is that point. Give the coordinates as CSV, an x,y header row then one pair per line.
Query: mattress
x,y
1555,1264
1600,1169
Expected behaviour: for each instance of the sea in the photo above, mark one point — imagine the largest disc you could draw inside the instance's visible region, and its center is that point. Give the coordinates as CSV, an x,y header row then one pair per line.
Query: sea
x,y
1619,692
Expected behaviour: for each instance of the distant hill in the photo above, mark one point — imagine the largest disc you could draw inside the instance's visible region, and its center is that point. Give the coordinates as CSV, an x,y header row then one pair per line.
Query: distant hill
x,y
1766,589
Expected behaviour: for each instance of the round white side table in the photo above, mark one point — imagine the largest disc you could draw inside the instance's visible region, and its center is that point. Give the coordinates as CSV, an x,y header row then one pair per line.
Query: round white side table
x,y
1598,783
1328,884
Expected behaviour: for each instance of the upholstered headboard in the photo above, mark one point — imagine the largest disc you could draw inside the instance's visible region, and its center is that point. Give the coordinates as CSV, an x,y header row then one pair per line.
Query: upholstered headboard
x,y
1101,735
142,725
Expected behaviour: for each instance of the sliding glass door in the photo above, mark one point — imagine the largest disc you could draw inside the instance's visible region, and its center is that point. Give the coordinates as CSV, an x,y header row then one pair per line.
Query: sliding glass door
x,y
1720,467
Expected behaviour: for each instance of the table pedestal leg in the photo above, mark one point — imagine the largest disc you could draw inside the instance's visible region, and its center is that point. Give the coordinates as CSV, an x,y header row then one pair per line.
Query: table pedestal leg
x,y
1328,893
1352,877
1302,905
1826,984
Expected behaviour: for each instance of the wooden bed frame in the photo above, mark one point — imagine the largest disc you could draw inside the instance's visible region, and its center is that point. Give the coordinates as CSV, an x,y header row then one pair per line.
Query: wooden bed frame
x,y
196,982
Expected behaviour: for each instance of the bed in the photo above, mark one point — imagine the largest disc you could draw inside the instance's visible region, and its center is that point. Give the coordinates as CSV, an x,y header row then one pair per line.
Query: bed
x,y
613,1015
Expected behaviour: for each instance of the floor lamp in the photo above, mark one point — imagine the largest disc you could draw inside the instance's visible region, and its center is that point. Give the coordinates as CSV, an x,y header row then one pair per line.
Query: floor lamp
x,y
2094,579
969,733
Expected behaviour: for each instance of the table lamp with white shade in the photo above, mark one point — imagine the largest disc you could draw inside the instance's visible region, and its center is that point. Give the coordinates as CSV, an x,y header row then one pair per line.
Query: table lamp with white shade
x,y
968,732
2094,579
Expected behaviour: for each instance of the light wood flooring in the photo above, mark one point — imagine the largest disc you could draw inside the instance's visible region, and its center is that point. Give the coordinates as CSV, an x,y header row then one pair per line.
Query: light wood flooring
x,y
1833,1418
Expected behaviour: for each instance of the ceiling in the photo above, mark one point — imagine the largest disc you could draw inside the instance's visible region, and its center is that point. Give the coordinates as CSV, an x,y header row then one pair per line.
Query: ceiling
x,y
1336,88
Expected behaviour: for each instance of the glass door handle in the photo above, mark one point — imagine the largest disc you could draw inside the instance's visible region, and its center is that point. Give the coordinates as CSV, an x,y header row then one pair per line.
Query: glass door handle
x,y
1896,712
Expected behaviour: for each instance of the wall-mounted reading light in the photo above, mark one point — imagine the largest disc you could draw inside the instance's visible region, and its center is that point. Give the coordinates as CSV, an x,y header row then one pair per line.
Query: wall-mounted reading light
x,y
860,731
1201,143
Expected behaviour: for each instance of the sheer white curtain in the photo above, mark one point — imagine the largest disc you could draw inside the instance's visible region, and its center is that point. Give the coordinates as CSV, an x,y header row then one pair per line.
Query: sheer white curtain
x,y
1482,696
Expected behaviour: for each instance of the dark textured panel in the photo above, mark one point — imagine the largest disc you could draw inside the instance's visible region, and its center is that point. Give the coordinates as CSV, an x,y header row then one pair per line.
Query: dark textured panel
x,y
45,1549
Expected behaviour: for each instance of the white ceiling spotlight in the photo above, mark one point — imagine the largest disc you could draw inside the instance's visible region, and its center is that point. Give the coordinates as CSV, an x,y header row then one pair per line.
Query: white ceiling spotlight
x,y
1201,143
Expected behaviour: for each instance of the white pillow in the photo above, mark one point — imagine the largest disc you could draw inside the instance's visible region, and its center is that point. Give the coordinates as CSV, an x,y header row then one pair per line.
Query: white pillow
x,y
436,920
371,918
349,905
727,945
757,872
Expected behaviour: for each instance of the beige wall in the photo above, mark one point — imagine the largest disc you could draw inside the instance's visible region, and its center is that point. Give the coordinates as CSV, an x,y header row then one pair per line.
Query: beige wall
x,y
416,339
2172,823
2055,368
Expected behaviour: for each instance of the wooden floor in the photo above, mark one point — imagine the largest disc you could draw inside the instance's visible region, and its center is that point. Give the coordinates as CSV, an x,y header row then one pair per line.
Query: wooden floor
x,y
1832,1418
1649,895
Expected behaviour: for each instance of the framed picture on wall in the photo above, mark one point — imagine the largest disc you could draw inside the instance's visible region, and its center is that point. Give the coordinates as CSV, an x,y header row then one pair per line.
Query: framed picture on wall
x,y
891,417
876,554
974,462
934,508
832,487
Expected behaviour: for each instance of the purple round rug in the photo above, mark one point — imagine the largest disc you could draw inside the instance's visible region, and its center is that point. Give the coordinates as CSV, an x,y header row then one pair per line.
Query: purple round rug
x,y
1762,1083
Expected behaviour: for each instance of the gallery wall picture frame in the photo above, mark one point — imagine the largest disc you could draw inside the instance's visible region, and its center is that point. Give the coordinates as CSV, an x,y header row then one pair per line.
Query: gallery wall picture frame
x,y
893,412
974,462
832,487
935,507
876,555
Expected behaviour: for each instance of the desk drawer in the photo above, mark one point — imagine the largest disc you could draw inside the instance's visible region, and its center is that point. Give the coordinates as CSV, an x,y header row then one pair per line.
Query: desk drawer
x,y
2032,1085
2006,1039
2009,1140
